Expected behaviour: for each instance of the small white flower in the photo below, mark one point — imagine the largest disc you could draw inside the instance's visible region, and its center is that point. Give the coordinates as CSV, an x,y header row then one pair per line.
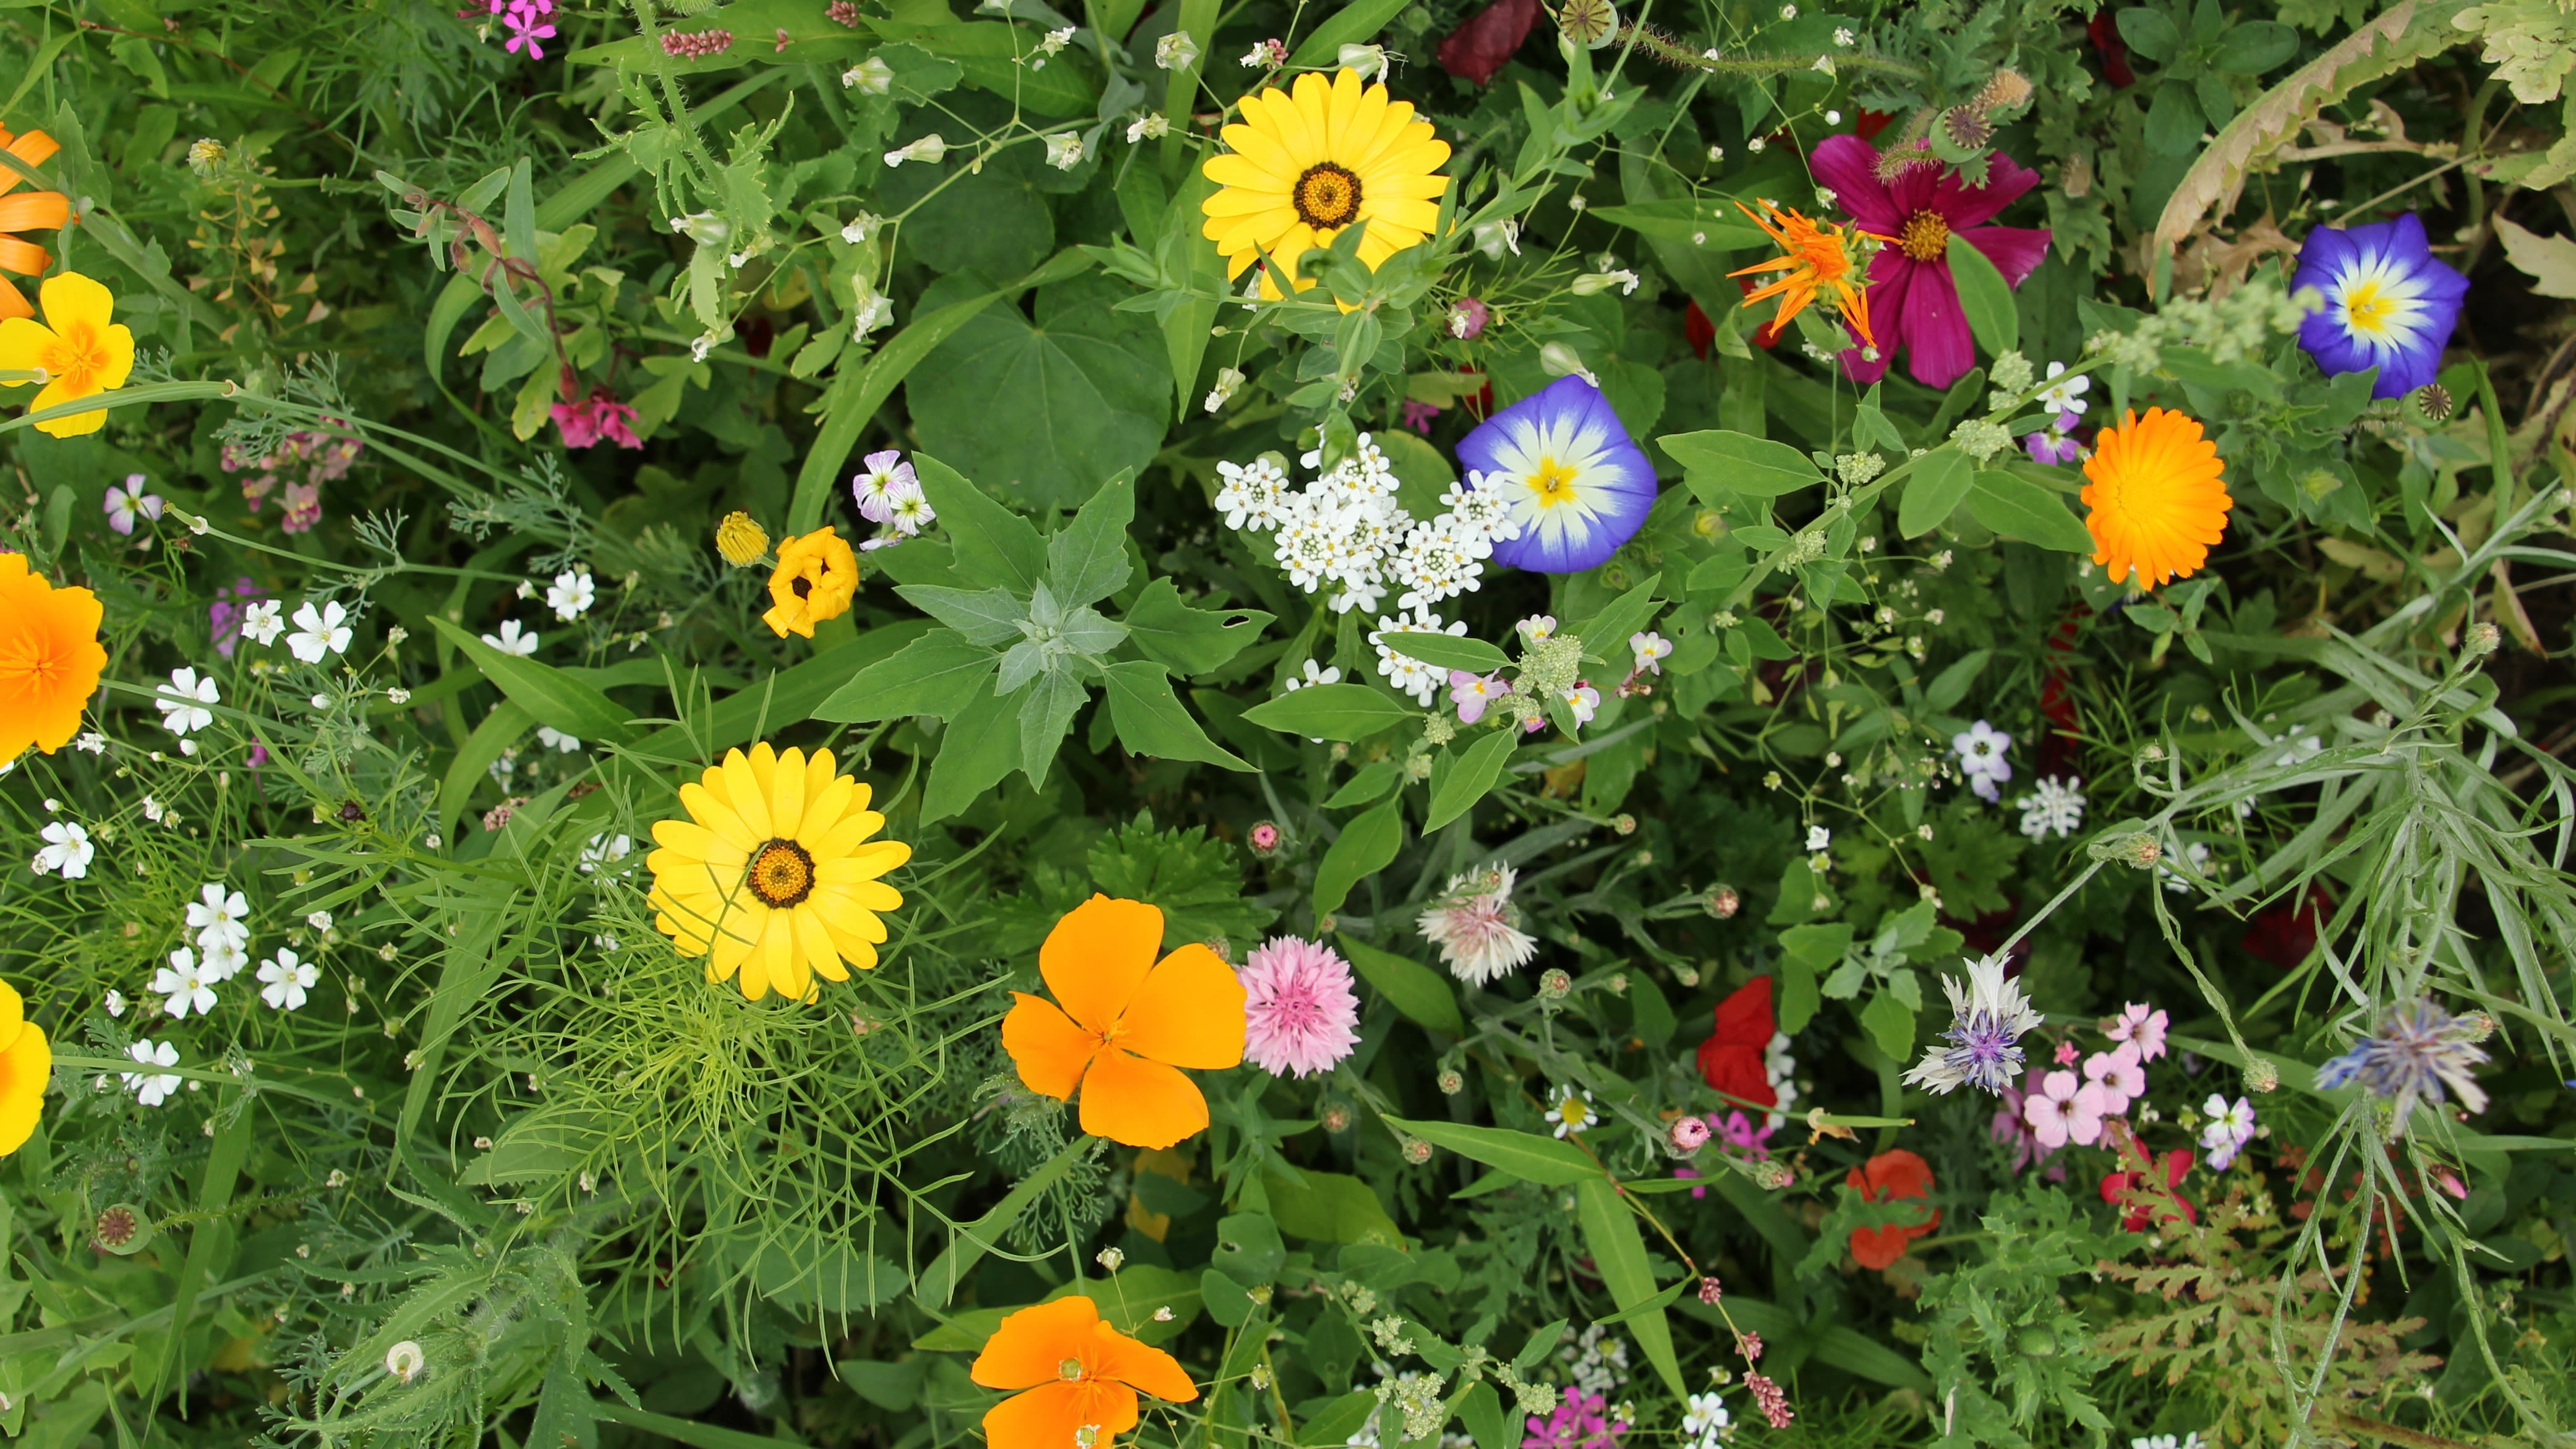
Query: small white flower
x,y
861,227
1843,37
263,622
2055,809
572,594
1368,60
319,631
930,150
1572,1111
1314,674
183,701
870,77
219,914
513,639
91,742
1175,51
1651,650
605,850
152,1088
286,980
1228,382
67,849
116,1003
405,1360
1064,150
185,985
1754,145
320,921
1537,628
225,957
557,741
2065,394
1819,838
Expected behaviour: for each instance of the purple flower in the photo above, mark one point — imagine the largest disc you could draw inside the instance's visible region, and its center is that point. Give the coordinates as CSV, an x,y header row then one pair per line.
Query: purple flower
x,y
1574,482
1580,1422
2389,302
2012,1127
2055,445
884,480
1418,415
127,502
1298,1008
2419,1051
526,24
1467,319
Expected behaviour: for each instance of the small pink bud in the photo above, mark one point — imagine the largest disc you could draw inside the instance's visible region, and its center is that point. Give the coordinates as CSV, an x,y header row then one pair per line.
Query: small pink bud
x,y
1690,1134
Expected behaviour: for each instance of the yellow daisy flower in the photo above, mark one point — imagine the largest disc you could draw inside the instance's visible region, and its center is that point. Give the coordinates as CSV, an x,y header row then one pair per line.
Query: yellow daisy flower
x,y
773,876
1306,164
76,352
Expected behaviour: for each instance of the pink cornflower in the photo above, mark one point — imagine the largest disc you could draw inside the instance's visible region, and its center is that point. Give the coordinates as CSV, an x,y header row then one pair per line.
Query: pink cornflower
x,y
595,417
2063,1112
1477,928
2119,1076
1298,1008
1771,1399
1418,415
1690,1134
1472,692
2141,1028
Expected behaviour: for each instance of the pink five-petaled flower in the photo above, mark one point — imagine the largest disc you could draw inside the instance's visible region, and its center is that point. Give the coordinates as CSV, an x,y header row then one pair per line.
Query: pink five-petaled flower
x,y
2120,1076
1472,692
595,417
1298,1007
2067,1052
2062,1112
2013,1128
1913,299
1580,1422
526,24
1418,415
2140,1028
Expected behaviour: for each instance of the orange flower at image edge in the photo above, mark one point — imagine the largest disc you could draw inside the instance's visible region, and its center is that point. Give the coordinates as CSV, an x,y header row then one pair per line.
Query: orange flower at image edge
x,y
1890,1177
2156,497
1126,1025
28,211
26,1065
50,659
1075,1373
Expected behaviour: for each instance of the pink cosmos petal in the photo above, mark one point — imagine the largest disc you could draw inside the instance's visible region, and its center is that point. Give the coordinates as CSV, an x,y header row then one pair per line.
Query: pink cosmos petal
x,y
1938,346
2016,251
1848,166
1970,206
1891,281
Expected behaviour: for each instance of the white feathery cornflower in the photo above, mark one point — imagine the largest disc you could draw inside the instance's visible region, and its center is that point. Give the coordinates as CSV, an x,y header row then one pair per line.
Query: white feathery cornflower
x,y
2419,1052
1477,928
1983,1041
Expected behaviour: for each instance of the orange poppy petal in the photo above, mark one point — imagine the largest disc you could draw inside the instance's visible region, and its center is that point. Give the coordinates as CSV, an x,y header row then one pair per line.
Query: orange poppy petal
x,y
34,211
1128,1099
25,1068
1098,955
1047,1046
1030,1346
1189,1012
1116,1356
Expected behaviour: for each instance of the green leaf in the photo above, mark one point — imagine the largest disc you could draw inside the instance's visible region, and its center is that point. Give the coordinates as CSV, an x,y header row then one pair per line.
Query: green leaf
x,y
1480,1409
1705,223
994,545
1605,634
1151,721
2018,508
980,747
1350,25
2150,33
1619,1250
1861,1354
1330,1428
550,696
1047,708
1525,1155
1446,651
1468,777
1719,463
2255,47
1367,844
982,616
1370,782
1127,1300
1985,297
1087,558
939,674
1890,1023
1330,1207
1933,491
1189,639
1331,712
1951,685
1409,986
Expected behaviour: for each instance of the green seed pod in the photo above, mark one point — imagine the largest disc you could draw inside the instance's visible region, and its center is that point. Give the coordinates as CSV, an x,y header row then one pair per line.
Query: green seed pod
x,y
2036,1340
121,1229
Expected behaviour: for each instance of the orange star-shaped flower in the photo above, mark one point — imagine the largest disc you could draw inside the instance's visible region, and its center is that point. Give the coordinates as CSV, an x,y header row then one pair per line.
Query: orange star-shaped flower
x,y
1818,259
1075,1373
1126,1025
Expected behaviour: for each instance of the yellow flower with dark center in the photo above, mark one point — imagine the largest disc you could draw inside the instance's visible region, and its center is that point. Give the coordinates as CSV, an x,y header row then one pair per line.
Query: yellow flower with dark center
x,y
76,352
1817,260
740,541
774,876
816,577
1307,163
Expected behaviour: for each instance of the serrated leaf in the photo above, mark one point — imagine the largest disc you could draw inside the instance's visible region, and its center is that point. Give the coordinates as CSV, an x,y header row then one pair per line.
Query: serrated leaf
x,y
1087,558
983,616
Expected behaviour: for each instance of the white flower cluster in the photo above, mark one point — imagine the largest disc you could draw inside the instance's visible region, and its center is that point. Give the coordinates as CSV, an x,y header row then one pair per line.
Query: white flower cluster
x,y
220,919
1345,530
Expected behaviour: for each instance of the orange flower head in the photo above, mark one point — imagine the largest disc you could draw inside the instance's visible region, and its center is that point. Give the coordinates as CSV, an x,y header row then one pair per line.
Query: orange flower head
x,y
1074,1372
1121,1026
1817,259
32,211
50,659
2157,498
26,1065
1889,1177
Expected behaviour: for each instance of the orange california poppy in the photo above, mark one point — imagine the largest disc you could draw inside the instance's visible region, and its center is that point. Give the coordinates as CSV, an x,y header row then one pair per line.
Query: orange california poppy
x,y
26,1065
1890,1177
1818,260
1126,1025
1074,1372
2156,497
50,659
31,211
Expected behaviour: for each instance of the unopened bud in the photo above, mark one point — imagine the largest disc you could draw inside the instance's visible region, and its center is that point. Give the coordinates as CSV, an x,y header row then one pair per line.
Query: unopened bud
x,y
2482,640
2477,1026
1451,1083
1721,901
2137,849
1773,1176
1416,1151
2261,1076
1554,984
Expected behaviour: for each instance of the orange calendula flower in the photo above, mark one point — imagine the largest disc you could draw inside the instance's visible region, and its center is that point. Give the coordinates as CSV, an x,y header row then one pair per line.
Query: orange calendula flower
x,y
1075,1373
1818,259
27,211
816,577
26,1064
50,659
1126,1025
76,352
2156,497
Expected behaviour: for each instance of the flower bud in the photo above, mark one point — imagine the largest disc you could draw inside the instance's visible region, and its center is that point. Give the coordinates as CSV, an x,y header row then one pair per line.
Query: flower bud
x,y
703,227
1451,1083
1721,901
2136,848
2482,640
1772,1176
1554,984
2261,1076
1690,1134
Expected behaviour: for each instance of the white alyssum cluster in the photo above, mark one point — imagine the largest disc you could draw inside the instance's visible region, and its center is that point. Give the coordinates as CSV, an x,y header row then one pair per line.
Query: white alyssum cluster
x,y
1346,531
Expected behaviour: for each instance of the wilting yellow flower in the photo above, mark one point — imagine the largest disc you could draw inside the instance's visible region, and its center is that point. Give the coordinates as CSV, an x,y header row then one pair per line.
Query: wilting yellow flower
x,y
1308,164
76,351
816,577
1818,259
740,540
773,876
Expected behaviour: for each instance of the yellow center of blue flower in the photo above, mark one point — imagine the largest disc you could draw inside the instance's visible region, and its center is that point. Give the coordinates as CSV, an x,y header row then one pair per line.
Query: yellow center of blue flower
x,y
1553,483
2368,308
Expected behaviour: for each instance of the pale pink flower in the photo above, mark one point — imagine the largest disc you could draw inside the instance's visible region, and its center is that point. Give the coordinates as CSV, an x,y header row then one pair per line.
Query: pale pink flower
x,y
2119,1075
2062,1112
1690,1134
2067,1052
1476,926
1298,1007
1472,692
2141,1028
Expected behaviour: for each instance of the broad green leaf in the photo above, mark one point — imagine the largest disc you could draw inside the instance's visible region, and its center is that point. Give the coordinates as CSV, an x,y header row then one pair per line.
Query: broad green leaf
x,y
1409,986
550,696
1933,491
1367,844
2150,33
980,747
1331,712
1330,1428
1951,685
1189,639
1446,651
994,545
1525,1155
1861,1354
1047,708
1330,1207
1150,720
940,674
1373,780
1605,635
1087,558
1719,462
1707,222
1985,297
1353,24
1619,1250
2018,508
1469,776
1480,1409
982,616
1891,1025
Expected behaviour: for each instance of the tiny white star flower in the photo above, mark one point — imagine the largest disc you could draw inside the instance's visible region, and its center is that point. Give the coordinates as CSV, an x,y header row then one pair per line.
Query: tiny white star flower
x,y
67,849
285,980
320,631
153,1088
263,622
184,983
513,639
572,594
183,701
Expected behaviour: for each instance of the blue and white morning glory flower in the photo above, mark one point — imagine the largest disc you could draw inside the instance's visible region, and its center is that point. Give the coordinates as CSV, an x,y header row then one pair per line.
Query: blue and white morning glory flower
x,y
2388,302
1577,486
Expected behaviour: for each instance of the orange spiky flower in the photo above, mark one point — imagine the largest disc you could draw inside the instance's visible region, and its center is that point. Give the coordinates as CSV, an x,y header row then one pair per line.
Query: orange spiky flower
x,y
26,211
1818,258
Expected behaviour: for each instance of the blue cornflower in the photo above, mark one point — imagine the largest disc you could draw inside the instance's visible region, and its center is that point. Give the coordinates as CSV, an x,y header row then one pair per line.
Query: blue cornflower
x,y
2389,302
2418,1051
1576,484
1982,1045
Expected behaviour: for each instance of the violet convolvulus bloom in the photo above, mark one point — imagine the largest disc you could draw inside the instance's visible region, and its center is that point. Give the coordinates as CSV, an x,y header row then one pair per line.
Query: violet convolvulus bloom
x,y
2420,1050
1982,1046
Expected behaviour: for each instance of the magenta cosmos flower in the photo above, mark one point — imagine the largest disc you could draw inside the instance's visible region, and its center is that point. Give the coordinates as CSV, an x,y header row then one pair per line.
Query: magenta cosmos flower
x,y
1913,299
1298,1008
